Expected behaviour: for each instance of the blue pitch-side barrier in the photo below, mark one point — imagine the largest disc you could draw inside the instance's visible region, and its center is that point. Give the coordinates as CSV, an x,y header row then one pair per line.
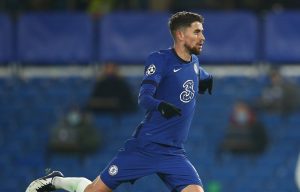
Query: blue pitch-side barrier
x,y
231,37
51,38
282,37
6,39
128,37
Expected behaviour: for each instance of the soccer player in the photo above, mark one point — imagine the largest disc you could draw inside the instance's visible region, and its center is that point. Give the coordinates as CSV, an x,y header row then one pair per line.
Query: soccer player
x,y
171,81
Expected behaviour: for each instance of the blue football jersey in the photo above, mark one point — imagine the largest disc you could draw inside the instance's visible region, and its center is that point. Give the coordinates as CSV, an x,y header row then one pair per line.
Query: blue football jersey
x,y
176,82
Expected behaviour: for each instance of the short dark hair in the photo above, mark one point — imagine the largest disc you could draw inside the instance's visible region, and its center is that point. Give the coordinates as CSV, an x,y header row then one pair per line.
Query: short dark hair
x,y
183,19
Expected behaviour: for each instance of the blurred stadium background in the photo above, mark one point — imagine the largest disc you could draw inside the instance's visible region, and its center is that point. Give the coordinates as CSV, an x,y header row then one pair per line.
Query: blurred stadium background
x,y
50,50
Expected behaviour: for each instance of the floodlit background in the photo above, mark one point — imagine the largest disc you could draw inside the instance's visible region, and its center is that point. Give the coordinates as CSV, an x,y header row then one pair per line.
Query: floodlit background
x,y
51,52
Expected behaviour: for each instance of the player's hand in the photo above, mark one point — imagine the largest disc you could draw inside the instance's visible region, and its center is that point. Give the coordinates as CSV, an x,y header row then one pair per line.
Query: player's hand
x,y
206,84
168,110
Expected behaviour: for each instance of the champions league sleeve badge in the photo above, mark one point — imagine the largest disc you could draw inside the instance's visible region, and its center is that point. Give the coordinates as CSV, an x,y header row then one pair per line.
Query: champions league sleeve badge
x,y
151,69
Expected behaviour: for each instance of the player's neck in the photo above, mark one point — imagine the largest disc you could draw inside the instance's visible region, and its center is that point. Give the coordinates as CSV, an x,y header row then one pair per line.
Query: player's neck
x,y
182,53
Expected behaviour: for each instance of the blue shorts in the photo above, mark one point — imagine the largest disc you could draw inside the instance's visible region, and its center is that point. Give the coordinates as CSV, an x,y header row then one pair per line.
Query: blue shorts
x,y
138,159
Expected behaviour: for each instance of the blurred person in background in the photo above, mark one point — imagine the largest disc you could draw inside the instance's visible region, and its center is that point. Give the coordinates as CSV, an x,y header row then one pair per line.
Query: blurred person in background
x,y
245,133
158,5
70,5
37,5
111,94
192,4
100,7
172,79
74,134
279,96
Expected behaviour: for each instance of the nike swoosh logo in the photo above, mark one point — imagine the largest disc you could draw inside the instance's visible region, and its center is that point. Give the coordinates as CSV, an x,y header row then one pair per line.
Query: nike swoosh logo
x,y
175,70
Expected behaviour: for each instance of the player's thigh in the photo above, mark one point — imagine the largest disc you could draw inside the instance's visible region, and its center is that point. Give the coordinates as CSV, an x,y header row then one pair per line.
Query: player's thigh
x,y
97,186
128,165
178,173
193,188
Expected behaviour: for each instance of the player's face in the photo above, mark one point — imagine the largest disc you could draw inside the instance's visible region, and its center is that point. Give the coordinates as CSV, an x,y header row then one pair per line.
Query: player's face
x,y
194,38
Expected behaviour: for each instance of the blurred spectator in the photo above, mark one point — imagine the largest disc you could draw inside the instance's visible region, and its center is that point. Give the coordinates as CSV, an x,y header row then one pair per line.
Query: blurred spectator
x,y
158,5
67,5
100,7
37,5
13,7
297,174
245,133
279,96
74,134
111,94
131,5
2,5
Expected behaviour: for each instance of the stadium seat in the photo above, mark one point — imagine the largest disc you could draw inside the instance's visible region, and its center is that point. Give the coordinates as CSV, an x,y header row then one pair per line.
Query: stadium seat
x,y
24,134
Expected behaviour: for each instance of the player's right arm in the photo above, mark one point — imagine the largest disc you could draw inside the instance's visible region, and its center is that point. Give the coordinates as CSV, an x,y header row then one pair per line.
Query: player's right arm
x,y
153,74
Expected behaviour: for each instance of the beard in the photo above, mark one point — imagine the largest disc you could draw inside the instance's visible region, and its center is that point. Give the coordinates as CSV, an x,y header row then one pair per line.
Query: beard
x,y
192,50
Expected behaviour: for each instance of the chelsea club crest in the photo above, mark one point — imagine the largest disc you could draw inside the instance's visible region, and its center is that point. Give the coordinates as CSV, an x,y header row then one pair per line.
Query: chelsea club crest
x,y
113,170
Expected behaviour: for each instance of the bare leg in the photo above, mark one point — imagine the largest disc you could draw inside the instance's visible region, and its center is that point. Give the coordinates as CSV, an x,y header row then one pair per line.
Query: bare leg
x,y
193,188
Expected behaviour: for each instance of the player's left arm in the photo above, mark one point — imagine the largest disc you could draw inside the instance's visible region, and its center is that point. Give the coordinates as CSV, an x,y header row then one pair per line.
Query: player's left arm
x,y
205,81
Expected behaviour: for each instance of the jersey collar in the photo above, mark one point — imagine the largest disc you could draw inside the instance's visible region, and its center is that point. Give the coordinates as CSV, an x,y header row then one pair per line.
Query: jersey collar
x,y
179,58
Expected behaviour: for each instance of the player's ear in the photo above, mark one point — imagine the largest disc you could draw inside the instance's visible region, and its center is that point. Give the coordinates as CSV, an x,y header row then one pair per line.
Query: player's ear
x,y
179,34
